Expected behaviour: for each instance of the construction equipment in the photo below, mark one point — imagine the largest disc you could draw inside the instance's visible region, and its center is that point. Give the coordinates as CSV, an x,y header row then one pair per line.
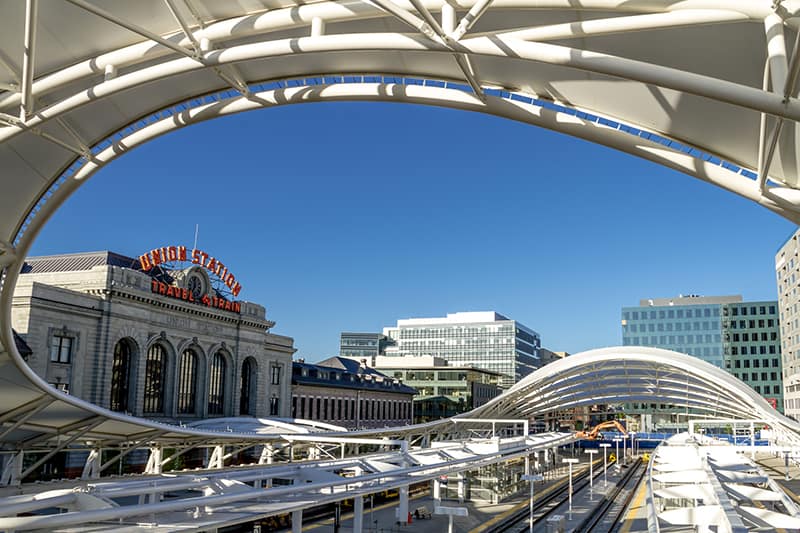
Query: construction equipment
x,y
595,434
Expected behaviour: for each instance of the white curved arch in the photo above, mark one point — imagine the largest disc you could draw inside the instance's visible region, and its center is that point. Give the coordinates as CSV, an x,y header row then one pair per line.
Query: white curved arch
x,y
718,114
636,374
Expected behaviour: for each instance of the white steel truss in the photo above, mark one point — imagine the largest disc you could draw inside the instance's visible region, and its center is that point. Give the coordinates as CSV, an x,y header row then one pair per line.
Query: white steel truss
x,y
706,87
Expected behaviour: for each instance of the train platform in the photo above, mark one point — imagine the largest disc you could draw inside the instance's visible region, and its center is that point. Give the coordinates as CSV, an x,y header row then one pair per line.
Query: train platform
x,y
482,517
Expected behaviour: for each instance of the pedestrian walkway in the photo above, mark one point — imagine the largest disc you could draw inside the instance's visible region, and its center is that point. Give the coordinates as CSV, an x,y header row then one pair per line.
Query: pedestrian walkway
x,y
775,466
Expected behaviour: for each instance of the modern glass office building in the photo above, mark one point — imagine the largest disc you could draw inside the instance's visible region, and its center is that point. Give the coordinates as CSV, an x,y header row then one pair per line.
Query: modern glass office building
x,y
363,345
740,337
686,324
485,340
752,344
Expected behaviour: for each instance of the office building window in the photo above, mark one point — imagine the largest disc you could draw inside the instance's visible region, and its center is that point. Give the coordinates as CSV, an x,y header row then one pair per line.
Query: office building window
x,y
187,382
216,385
155,370
247,386
274,405
275,372
120,376
61,349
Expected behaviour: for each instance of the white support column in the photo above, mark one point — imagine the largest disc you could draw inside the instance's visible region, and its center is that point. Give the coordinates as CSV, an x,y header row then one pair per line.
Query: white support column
x,y
12,468
448,18
358,514
91,470
154,461
437,490
402,508
267,454
461,487
317,27
26,103
776,51
217,457
297,521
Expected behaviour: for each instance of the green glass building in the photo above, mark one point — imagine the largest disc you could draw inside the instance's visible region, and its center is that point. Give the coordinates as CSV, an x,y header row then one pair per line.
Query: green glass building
x,y
740,337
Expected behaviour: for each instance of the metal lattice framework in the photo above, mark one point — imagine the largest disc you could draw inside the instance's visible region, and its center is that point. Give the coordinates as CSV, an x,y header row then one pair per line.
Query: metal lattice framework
x,y
706,87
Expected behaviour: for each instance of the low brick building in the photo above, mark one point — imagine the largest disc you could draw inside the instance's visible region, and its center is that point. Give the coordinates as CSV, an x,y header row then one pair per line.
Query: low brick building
x,y
347,393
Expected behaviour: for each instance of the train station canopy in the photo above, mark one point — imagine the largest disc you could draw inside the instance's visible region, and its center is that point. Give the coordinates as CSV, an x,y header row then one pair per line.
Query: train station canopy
x,y
706,87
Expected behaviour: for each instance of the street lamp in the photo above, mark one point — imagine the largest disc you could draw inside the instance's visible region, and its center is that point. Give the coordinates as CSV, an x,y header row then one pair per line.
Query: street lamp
x,y
531,478
605,447
570,462
591,453
616,452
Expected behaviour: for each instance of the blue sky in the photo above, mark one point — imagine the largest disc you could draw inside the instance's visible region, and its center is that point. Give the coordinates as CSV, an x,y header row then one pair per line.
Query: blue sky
x,y
349,216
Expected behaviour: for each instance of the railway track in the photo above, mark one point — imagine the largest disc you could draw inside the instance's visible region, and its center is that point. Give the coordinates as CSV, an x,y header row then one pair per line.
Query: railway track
x,y
608,514
546,505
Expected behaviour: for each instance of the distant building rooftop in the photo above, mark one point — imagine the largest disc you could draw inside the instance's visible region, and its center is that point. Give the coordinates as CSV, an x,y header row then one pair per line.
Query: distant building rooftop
x,y
348,374
690,299
455,318
77,261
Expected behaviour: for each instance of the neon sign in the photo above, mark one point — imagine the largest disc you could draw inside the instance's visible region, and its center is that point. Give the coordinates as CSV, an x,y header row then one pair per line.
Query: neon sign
x,y
186,295
167,254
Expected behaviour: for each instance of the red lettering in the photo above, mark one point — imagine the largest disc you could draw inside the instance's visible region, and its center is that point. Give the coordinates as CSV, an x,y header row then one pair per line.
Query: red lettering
x,y
205,258
195,256
162,288
237,307
170,291
172,253
157,259
144,260
227,305
230,281
181,253
219,268
212,265
236,289
184,294
154,286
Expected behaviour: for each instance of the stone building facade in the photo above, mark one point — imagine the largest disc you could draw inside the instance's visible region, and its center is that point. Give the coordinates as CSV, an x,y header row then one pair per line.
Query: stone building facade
x,y
145,343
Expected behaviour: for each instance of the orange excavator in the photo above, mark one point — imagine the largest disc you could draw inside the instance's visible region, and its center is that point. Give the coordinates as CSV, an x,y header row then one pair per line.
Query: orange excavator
x,y
594,433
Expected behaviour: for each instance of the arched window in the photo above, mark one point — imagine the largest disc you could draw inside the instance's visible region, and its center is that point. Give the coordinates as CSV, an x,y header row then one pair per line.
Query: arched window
x,y
216,382
247,387
154,377
187,384
120,376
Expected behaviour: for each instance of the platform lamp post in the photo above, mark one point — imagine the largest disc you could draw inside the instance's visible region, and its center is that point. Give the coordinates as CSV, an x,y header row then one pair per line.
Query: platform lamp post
x,y
605,447
616,453
570,462
531,479
451,512
591,453
624,450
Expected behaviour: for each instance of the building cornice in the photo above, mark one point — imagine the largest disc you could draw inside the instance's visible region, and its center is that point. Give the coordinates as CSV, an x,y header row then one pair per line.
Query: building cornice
x,y
175,305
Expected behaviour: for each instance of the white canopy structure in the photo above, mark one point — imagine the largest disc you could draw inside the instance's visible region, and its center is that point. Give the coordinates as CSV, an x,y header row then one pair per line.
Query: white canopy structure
x,y
637,374
707,87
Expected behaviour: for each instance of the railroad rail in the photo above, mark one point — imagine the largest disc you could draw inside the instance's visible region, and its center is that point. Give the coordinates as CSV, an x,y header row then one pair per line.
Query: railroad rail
x,y
614,503
546,504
